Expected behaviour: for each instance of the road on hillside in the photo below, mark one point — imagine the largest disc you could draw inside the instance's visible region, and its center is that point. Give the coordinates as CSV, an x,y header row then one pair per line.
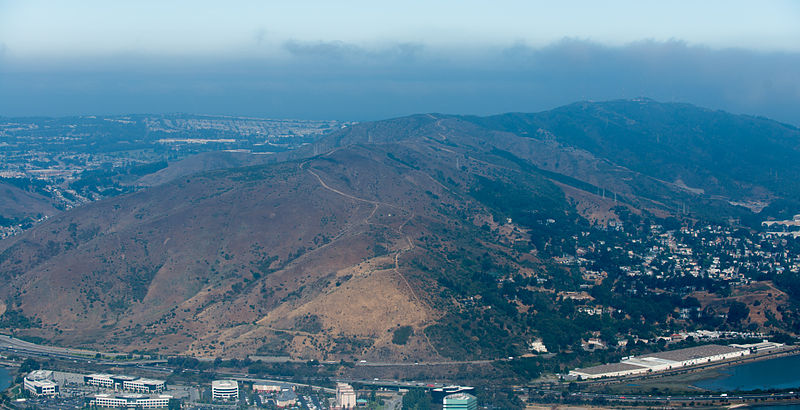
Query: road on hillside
x,y
13,345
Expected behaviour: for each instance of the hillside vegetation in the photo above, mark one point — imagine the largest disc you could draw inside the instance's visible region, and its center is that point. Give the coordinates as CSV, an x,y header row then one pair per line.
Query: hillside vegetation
x,y
416,238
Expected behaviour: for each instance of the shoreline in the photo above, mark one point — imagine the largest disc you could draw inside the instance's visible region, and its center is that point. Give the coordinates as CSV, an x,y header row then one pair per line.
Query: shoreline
x,y
754,357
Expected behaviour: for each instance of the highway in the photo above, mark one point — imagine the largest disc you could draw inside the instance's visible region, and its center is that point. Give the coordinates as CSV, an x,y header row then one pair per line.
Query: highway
x,y
10,344
440,363
19,347
704,398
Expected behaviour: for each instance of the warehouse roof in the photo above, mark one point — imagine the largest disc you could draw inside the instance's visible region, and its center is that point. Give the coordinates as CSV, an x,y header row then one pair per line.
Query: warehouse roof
x,y
698,352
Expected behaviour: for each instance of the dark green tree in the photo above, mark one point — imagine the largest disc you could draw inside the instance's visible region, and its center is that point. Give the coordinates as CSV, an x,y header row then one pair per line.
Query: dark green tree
x,y
416,399
737,312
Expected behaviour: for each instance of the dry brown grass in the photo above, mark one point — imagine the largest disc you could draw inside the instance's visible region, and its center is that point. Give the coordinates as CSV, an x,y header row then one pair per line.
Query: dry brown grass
x,y
768,296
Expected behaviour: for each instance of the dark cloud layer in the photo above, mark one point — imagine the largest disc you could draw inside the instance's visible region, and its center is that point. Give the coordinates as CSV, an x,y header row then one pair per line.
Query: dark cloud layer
x,y
346,81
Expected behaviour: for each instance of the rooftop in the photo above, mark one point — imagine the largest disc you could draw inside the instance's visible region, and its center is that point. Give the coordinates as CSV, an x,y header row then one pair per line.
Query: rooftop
x,y
122,377
224,384
130,396
459,396
150,381
40,375
649,361
286,395
690,353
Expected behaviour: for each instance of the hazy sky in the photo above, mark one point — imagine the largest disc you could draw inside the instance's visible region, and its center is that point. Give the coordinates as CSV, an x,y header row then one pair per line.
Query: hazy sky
x,y
367,59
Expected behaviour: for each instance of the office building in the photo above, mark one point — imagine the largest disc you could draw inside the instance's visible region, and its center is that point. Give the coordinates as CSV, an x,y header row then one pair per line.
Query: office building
x,y
460,401
345,396
225,390
40,383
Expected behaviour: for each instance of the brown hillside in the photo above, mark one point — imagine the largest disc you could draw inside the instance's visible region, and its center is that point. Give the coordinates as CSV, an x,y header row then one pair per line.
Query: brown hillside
x,y
17,203
412,223
307,258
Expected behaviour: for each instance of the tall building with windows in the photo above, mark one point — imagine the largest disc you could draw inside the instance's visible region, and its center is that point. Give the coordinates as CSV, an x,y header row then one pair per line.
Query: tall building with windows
x,y
460,401
345,396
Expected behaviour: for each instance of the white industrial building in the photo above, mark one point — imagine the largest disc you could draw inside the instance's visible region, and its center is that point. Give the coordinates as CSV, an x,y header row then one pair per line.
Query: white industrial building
x,y
40,383
661,361
134,401
763,346
225,390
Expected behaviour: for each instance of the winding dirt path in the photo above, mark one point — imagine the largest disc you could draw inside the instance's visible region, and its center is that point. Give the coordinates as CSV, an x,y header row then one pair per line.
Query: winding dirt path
x,y
410,246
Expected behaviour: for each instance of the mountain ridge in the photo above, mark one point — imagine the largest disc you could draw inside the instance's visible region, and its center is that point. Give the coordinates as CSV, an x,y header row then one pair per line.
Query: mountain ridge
x,y
328,249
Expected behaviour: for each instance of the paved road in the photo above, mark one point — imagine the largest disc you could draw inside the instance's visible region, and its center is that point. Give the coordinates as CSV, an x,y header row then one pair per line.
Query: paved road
x,y
13,345
680,399
9,342
439,363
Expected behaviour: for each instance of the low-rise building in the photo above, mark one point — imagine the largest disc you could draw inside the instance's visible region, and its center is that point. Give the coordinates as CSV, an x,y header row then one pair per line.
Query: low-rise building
x,y
40,383
99,380
286,398
537,346
269,387
763,346
144,385
131,400
124,382
608,370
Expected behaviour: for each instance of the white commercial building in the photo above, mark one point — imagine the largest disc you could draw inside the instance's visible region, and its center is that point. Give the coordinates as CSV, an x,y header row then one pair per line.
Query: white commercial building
x,y
225,390
661,361
40,383
134,401
99,380
144,385
345,396
269,387
123,382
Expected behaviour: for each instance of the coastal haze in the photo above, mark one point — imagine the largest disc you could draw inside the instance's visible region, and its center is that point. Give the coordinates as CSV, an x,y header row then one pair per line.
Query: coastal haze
x,y
365,61
399,207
